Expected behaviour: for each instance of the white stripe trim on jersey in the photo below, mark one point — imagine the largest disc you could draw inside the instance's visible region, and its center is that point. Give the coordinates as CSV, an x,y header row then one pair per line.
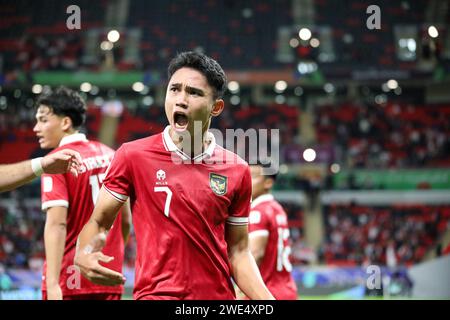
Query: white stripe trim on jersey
x,y
259,233
54,203
170,146
73,138
237,220
261,199
119,197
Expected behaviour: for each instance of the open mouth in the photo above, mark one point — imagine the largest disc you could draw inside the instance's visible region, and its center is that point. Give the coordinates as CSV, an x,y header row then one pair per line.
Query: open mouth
x,y
180,121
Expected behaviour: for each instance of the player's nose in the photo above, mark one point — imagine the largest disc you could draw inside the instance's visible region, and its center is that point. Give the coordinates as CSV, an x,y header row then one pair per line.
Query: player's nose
x,y
181,100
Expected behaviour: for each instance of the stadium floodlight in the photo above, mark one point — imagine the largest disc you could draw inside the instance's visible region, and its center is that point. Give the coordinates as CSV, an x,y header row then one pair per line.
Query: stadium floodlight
x,y
392,84
106,45
94,90
304,34
329,88
148,100
280,99
36,88
314,42
284,169
335,168
380,99
138,86
294,43
99,101
235,100
309,155
233,86
433,31
247,13
307,67
298,91
280,86
3,102
113,36
85,87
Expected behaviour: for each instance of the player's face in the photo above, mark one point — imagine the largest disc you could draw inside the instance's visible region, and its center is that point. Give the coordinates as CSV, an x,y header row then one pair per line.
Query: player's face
x,y
189,99
257,181
48,128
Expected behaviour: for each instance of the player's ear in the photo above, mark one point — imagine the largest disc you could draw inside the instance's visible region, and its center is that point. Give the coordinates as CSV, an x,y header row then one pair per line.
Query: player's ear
x,y
217,108
268,183
66,123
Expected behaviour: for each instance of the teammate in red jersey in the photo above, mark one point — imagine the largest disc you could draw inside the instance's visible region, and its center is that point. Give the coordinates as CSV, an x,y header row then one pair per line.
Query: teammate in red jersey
x,y
190,207
69,200
269,237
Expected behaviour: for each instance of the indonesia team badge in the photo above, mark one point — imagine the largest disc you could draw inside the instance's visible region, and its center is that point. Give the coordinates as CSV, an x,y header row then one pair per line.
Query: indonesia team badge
x,y
218,184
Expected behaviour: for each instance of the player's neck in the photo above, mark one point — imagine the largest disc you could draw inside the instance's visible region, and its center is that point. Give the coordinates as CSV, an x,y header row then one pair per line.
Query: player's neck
x,y
191,146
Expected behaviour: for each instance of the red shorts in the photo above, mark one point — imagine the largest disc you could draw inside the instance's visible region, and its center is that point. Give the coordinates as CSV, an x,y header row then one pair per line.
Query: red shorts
x,y
89,296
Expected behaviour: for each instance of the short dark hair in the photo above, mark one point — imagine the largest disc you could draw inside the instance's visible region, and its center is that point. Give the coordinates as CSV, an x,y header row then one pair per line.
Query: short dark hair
x,y
266,165
209,67
64,102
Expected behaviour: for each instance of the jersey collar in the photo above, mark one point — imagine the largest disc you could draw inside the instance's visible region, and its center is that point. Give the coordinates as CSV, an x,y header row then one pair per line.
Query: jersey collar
x,y
73,138
169,145
260,199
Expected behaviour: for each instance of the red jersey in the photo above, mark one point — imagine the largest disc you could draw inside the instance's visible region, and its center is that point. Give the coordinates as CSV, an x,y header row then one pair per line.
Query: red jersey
x,y
267,218
78,194
179,215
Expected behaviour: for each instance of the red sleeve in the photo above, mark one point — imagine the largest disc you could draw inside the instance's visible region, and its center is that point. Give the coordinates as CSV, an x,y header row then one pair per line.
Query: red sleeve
x,y
240,207
117,180
54,191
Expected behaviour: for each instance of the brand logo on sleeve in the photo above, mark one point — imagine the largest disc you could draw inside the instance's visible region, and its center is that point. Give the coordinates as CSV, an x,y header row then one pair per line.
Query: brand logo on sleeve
x,y
218,184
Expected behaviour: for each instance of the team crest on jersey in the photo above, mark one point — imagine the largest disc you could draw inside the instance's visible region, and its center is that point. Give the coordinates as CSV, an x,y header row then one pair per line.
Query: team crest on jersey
x,y
218,183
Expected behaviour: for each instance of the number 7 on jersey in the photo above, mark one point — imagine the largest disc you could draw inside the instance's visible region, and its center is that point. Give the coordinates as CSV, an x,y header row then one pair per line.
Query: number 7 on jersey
x,y
168,198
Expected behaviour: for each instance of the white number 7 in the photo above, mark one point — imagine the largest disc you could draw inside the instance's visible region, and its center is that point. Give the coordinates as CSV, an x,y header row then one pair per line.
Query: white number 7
x,y
169,197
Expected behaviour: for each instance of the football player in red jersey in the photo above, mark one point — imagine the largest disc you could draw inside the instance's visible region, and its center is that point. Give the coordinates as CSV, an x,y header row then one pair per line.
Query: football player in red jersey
x,y
190,207
68,201
269,236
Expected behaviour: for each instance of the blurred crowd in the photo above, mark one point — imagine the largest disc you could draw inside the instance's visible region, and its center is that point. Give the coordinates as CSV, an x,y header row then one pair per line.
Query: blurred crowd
x,y
395,235
391,135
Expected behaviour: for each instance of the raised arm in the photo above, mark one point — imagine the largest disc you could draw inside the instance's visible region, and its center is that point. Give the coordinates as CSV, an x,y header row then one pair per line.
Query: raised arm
x,y
15,175
244,269
92,239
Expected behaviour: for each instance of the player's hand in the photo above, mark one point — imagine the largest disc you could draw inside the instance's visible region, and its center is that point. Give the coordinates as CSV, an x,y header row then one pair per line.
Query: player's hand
x,y
88,260
62,161
54,292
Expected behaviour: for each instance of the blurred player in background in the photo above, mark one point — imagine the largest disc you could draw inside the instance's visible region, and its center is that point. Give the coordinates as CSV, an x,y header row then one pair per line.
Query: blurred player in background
x,y
69,201
17,174
190,206
269,236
